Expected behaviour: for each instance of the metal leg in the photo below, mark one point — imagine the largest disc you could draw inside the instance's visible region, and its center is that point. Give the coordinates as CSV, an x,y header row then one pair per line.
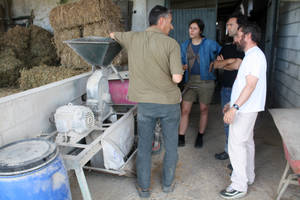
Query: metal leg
x,y
287,167
284,182
83,184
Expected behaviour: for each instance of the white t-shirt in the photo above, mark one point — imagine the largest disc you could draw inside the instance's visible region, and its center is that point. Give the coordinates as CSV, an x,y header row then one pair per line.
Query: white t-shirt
x,y
255,64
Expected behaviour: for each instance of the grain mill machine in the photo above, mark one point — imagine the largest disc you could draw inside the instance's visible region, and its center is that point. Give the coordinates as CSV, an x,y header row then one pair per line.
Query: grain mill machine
x,y
97,135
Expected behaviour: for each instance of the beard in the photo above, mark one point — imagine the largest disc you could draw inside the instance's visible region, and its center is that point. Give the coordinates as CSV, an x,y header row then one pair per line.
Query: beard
x,y
240,46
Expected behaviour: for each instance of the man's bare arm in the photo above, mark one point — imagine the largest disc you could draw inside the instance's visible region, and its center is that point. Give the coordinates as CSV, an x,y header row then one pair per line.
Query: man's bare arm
x,y
251,82
234,65
219,64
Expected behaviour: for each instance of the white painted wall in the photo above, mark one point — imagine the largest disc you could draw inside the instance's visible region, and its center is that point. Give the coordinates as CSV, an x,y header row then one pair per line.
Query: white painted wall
x,y
139,15
141,10
26,114
152,3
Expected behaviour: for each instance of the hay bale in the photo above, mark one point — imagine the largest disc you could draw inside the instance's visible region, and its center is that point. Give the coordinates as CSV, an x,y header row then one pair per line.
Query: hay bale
x,y
67,34
46,60
8,91
42,75
103,29
41,46
9,68
18,39
83,12
69,58
84,18
121,59
31,45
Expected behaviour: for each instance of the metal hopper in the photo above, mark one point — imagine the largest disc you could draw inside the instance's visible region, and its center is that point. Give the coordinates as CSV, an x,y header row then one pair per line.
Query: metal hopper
x,y
97,51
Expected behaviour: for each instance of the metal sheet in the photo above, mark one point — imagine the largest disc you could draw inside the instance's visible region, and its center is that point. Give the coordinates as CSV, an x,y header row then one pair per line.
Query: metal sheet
x,y
287,122
182,17
99,51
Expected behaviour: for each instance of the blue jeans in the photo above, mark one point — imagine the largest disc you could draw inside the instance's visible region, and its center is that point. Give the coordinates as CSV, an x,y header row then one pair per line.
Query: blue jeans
x,y
147,114
225,98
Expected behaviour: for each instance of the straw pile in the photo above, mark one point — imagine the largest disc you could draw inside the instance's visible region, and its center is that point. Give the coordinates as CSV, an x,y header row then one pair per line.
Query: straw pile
x,y
18,38
42,75
8,91
82,13
67,56
102,30
9,67
30,44
81,19
42,49
23,47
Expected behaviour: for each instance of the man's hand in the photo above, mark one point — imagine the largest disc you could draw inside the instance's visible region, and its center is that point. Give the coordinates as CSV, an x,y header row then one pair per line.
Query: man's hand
x,y
226,108
229,115
211,66
184,67
220,57
112,35
176,78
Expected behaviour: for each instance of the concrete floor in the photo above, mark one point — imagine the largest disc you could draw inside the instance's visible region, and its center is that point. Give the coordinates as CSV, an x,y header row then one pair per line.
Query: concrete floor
x,y
199,175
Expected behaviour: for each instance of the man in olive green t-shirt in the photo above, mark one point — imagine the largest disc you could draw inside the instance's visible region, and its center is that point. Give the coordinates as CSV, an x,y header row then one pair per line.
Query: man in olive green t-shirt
x,y
154,70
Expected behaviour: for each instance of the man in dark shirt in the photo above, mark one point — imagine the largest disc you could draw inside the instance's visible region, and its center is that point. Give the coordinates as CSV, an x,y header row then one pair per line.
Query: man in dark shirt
x,y
229,60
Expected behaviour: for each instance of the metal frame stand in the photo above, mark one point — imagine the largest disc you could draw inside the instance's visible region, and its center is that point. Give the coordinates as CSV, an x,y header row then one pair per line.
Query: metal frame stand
x,y
286,180
77,161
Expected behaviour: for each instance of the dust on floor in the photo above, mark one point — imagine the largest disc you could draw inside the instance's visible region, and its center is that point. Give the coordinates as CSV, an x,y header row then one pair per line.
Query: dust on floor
x,y
199,175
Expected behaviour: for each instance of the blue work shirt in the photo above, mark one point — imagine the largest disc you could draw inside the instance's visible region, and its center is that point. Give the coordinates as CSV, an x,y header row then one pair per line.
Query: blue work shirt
x,y
208,51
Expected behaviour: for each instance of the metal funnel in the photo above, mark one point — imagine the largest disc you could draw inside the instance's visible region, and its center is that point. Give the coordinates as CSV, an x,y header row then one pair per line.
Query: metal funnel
x,y
97,51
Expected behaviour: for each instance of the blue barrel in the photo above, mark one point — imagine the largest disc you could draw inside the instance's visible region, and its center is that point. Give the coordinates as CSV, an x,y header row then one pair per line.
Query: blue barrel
x,y
32,169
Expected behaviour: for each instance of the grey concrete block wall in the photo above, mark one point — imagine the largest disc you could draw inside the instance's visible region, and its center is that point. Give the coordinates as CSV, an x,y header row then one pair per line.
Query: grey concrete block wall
x,y
286,84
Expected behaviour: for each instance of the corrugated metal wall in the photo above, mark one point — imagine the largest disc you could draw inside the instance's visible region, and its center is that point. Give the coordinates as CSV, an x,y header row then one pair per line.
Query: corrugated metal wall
x,y
182,17
287,66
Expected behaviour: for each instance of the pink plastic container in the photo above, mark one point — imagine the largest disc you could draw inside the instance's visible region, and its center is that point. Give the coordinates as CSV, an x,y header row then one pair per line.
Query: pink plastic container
x,y
295,164
118,91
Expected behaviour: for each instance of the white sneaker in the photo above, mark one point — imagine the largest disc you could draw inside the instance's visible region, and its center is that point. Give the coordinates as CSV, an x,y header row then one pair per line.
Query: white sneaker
x,y
250,182
230,193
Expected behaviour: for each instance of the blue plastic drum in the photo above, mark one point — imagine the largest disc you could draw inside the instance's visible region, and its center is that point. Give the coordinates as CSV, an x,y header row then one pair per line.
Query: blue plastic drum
x,y
32,169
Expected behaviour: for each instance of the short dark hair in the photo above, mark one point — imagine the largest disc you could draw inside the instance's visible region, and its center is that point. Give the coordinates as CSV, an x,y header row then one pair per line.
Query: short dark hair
x,y
253,29
156,13
240,19
200,24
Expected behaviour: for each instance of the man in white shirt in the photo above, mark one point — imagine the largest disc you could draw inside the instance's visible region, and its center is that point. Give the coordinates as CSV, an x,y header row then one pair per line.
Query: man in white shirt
x,y
247,99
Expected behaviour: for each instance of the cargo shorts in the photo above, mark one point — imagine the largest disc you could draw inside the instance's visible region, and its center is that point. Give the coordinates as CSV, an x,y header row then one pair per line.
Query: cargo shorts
x,y
201,89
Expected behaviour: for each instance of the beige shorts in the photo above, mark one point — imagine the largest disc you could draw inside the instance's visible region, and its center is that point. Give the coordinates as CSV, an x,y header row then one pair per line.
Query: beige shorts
x,y
201,89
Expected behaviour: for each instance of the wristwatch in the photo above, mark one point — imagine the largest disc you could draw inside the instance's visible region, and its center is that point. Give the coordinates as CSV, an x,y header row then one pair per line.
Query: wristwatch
x,y
236,106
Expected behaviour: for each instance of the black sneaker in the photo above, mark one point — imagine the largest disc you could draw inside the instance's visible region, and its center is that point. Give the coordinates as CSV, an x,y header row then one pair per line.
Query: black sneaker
x,y
230,193
181,140
199,141
222,156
